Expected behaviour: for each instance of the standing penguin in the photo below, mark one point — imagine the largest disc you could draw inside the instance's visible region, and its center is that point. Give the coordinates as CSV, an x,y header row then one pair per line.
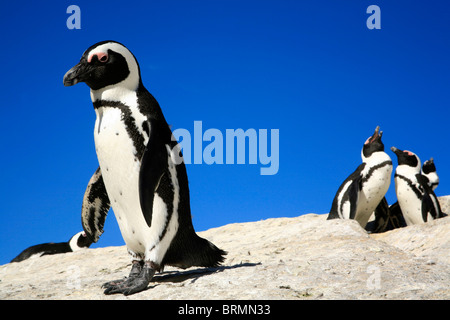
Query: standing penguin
x,y
77,242
429,171
142,174
416,198
361,193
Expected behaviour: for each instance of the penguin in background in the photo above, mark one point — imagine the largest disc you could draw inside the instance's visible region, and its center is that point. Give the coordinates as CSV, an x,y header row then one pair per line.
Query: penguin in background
x,y
77,242
361,193
429,171
386,218
416,198
142,175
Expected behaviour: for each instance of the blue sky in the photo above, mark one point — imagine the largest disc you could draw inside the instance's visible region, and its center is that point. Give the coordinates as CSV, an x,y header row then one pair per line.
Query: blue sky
x,y
311,69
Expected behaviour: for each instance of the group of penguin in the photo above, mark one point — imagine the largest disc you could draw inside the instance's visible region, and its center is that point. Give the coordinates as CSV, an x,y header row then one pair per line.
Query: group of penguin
x,y
362,195
141,177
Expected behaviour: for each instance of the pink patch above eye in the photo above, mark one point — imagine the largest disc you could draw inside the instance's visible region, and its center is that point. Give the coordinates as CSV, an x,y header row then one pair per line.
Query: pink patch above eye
x,y
101,56
409,153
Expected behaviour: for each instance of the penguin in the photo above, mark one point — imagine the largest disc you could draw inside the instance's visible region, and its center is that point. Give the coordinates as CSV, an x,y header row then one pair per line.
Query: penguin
x,y
141,173
77,242
429,171
361,193
416,198
385,218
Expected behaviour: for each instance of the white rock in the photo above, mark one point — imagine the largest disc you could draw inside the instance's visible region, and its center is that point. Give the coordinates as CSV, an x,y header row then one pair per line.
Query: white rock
x,y
306,257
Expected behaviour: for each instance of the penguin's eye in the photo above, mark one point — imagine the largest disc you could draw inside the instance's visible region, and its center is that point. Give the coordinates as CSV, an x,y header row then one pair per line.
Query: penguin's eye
x,y
103,58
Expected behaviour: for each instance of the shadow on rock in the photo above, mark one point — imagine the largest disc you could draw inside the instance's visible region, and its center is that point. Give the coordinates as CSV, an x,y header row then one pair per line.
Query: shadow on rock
x,y
180,276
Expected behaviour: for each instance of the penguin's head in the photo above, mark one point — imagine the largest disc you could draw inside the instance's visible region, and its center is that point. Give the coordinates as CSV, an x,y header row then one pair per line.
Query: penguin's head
x,y
104,64
428,166
79,241
373,144
407,158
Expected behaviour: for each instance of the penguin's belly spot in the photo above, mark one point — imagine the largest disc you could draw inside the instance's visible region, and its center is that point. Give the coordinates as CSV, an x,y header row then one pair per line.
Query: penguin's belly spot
x,y
376,187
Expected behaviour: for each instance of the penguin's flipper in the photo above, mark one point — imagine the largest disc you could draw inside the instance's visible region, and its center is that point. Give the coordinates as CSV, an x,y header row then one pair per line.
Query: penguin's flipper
x,y
354,189
353,196
428,207
153,165
95,207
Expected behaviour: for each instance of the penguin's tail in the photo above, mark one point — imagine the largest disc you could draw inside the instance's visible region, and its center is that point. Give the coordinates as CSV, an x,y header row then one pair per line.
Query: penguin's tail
x,y
189,250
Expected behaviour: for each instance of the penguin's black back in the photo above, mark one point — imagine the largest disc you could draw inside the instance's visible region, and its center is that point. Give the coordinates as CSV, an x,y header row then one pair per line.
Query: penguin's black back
x,y
354,177
43,249
187,249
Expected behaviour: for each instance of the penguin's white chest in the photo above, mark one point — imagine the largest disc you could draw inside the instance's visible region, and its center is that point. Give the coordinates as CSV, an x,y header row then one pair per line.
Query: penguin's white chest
x,y
377,185
410,204
373,190
434,179
120,170
120,167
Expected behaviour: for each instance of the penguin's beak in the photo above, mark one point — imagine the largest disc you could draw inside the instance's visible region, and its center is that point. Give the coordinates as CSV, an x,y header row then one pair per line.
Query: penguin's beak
x,y
377,134
78,73
396,151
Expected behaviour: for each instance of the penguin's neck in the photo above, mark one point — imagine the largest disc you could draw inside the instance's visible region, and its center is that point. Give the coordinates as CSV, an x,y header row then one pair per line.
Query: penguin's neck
x,y
115,93
407,171
376,157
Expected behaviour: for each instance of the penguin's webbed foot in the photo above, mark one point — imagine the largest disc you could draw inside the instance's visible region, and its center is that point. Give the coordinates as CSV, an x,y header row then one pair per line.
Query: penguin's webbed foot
x,y
135,271
136,282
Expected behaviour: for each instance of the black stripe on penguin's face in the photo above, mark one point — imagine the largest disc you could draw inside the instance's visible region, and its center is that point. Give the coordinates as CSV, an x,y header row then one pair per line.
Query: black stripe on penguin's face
x,y
373,143
109,68
428,166
406,157
98,70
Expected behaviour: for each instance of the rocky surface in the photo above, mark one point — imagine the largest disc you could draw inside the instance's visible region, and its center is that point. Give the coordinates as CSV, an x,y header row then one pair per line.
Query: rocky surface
x,y
306,257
